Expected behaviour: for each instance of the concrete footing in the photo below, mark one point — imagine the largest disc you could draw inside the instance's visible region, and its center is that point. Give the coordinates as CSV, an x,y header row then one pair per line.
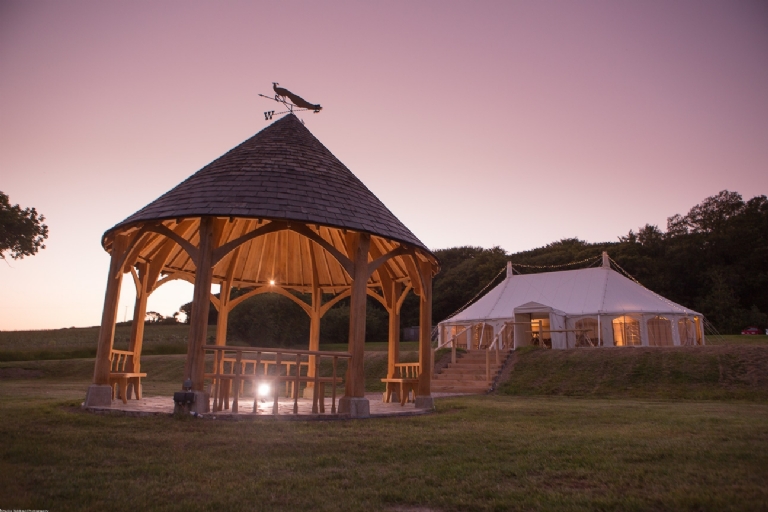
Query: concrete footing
x,y
98,396
201,405
425,402
356,407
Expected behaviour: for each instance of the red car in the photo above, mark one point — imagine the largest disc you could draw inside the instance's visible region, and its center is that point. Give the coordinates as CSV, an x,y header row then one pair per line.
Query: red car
x,y
751,330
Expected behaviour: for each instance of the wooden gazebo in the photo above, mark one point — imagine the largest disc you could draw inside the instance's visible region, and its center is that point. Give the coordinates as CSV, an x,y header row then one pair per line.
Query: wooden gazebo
x,y
278,213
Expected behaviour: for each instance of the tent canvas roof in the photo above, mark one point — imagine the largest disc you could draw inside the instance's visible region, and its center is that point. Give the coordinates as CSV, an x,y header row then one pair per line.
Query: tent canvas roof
x,y
575,292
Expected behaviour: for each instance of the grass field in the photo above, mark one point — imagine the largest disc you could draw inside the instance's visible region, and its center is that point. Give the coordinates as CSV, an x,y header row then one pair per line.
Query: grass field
x,y
543,448
475,453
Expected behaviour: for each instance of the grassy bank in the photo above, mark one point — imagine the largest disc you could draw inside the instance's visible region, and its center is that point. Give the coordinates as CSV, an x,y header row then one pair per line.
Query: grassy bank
x,y
722,372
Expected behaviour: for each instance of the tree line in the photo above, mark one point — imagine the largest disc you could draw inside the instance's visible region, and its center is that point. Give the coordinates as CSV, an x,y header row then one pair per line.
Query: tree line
x,y
714,259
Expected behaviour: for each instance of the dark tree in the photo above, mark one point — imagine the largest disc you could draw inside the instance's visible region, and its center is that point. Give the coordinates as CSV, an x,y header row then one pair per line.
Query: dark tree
x,y
22,231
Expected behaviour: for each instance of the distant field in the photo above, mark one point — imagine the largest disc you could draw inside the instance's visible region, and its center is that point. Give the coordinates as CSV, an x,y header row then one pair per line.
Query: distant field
x,y
80,342
737,339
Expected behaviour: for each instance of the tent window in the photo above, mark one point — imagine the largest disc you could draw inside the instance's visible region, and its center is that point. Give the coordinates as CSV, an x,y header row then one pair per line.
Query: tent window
x,y
482,335
687,331
588,338
626,331
540,335
659,332
460,333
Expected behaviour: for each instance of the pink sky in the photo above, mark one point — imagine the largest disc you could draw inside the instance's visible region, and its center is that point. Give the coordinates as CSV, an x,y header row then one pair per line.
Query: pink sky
x,y
477,123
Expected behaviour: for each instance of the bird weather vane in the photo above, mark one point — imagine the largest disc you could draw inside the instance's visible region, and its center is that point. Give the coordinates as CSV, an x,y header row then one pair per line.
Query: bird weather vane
x,y
290,100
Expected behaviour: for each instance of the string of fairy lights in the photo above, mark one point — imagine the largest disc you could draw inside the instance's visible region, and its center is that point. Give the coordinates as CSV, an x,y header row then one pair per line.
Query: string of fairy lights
x,y
592,259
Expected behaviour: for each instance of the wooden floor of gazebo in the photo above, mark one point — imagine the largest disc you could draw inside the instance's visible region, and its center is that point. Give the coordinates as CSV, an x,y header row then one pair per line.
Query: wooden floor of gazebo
x,y
163,405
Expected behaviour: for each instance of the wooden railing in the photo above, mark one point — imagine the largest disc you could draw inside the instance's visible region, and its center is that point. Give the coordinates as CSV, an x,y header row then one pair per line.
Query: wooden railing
x,y
234,366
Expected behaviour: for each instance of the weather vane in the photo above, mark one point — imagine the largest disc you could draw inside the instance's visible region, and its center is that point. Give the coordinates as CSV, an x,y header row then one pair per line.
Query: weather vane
x,y
290,100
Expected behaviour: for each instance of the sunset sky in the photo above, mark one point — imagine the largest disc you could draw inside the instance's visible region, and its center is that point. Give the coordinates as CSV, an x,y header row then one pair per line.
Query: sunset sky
x,y
510,123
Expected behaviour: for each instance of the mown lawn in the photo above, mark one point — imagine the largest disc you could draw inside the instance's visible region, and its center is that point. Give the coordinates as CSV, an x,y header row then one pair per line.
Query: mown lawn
x,y
633,448
474,453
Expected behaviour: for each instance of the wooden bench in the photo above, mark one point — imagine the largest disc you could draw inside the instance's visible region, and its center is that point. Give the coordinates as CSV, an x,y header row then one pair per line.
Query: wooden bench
x,y
231,382
123,381
405,381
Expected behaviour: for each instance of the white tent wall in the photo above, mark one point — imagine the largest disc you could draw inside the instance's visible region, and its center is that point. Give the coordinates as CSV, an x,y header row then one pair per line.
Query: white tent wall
x,y
557,323
522,326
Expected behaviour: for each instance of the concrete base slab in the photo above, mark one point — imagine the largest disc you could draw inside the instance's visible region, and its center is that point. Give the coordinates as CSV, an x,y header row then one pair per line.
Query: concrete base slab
x,y
98,396
309,392
425,402
355,407
163,405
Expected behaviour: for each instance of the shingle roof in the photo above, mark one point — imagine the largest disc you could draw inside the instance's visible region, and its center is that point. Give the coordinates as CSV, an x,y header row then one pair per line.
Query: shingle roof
x,y
282,172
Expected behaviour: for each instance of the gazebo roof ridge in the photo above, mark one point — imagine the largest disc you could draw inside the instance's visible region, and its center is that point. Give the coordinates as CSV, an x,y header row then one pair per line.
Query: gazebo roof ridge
x,y
283,172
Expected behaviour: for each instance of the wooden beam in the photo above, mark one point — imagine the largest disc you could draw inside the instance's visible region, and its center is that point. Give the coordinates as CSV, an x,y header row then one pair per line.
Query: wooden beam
x,y
160,258
375,264
190,249
393,347
413,272
139,314
343,260
230,246
328,305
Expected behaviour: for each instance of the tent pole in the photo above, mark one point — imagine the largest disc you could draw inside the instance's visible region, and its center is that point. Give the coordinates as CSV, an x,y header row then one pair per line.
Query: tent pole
x,y
599,332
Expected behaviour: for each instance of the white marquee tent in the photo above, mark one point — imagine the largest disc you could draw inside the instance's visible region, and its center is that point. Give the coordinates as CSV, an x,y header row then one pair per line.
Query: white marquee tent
x,y
574,308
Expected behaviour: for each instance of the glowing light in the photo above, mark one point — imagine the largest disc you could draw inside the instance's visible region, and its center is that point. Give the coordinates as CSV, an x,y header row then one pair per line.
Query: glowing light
x,y
264,389
272,282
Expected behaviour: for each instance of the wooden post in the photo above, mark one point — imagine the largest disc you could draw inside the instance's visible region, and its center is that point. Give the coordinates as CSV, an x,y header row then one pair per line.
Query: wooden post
x,y
314,319
393,348
354,402
221,322
314,323
424,398
139,315
225,296
100,392
109,313
201,298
